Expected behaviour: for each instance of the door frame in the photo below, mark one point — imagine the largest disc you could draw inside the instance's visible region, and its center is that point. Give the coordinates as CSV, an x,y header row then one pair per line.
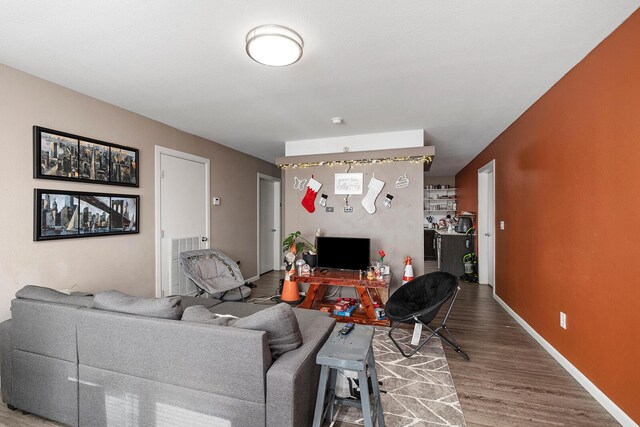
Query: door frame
x,y
483,206
159,150
277,201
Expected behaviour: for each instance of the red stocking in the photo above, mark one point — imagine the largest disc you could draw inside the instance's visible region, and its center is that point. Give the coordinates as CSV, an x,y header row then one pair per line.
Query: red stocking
x,y
310,196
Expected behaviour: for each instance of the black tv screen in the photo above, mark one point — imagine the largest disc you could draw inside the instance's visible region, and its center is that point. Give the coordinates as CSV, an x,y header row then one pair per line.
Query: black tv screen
x,y
346,253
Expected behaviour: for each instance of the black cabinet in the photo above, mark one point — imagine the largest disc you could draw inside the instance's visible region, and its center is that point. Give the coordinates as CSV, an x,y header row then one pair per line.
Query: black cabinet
x,y
430,247
453,248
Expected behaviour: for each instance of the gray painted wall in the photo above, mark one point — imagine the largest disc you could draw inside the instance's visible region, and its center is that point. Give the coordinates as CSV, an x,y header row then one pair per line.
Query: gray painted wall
x,y
126,263
398,231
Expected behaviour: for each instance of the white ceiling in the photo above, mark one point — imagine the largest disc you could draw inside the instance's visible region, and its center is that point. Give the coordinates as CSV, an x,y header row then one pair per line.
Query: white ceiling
x,y
462,70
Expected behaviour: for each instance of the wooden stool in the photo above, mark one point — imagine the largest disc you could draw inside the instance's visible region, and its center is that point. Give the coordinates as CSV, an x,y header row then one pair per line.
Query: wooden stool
x,y
352,352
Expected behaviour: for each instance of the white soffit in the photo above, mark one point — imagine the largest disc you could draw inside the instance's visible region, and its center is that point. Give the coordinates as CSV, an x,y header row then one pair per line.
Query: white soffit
x,y
461,70
368,142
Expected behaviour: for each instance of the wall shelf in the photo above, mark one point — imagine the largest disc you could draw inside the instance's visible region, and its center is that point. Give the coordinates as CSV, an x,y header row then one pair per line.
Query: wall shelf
x,y
440,202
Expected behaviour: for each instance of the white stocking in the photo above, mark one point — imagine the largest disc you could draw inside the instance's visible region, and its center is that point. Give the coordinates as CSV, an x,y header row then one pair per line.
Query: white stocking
x,y
375,187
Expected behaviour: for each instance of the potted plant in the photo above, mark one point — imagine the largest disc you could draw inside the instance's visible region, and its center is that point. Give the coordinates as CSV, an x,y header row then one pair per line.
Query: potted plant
x,y
302,246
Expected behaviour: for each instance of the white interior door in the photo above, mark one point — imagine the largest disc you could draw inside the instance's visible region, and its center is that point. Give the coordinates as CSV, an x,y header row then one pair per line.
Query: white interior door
x,y
183,215
486,224
269,238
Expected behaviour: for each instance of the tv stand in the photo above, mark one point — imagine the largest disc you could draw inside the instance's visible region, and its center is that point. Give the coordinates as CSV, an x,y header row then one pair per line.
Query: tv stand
x,y
367,290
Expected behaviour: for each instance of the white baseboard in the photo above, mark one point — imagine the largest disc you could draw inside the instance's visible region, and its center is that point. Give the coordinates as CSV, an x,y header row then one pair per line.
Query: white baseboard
x,y
602,398
252,279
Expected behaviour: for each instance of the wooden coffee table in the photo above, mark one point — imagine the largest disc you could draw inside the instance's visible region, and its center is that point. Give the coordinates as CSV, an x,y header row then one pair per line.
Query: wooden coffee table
x,y
368,291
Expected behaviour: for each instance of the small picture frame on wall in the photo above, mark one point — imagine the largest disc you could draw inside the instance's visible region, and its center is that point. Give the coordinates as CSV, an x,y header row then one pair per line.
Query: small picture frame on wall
x,y
65,156
61,214
348,183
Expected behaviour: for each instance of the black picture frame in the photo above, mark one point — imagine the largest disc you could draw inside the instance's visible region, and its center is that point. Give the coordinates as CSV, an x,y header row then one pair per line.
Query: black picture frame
x,y
62,214
68,157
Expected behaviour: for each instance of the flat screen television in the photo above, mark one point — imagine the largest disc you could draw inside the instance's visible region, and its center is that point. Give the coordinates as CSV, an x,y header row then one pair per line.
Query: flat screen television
x,y
345,253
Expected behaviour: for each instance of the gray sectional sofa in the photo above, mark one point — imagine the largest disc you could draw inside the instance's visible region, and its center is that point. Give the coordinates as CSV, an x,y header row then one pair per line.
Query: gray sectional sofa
x,y
82,366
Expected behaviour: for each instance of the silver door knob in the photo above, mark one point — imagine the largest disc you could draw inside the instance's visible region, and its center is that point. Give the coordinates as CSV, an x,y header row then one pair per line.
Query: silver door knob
x,y
487,234
273,230
204,239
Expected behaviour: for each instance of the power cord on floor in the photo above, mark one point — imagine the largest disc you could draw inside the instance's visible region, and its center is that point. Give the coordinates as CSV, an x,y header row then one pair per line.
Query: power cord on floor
x,y
263,300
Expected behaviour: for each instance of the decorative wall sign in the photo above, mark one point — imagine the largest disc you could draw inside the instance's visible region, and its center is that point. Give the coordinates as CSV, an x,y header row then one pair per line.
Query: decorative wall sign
x,y
69,157
60,214
299,184
348,183
402,182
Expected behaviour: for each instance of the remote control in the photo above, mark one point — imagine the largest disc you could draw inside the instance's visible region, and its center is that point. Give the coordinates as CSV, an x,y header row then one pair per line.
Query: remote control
x,y
347,328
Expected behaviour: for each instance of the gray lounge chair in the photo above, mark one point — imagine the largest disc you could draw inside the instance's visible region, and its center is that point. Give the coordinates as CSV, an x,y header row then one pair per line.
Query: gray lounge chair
x,y
214,274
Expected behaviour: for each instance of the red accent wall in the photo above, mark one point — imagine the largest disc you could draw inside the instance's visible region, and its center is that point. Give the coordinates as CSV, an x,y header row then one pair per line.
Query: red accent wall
x,y
568,188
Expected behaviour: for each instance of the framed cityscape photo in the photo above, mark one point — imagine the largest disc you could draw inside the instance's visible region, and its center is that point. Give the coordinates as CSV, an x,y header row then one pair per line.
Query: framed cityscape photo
x,y
65,156
93,161
127,220
58,155
61,214
123,166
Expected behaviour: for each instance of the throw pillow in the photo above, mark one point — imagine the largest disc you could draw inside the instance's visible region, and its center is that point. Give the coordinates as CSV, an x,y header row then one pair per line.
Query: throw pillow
x,y
201,314
40,293
163,308
279,321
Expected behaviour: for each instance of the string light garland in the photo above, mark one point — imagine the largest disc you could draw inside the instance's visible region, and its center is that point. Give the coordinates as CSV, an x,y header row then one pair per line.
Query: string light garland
x,y
357,162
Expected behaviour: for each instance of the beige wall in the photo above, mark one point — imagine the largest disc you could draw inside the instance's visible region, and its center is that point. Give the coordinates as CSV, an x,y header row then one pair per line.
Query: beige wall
x,y
398,231
125,263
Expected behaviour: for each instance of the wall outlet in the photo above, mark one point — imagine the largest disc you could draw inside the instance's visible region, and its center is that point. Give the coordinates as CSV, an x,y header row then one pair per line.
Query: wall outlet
x,y
328,209
563,320
501,225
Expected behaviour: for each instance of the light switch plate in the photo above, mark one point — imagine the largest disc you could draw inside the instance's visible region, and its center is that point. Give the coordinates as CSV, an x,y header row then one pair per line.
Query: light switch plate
x,y
501,225
216,201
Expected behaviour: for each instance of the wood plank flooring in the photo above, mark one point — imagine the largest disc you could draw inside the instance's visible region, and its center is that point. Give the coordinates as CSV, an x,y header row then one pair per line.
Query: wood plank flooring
x,y
509,381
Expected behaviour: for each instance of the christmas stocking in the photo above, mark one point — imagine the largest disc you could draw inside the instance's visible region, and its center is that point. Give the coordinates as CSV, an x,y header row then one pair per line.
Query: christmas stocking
x,y
310,196
369,201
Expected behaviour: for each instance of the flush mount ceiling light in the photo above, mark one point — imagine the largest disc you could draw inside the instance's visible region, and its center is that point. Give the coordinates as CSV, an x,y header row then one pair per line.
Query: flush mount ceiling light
x,y
274,45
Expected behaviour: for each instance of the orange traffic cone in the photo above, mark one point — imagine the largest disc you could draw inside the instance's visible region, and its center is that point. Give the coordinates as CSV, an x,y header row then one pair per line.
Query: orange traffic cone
x,y
408,271
290,291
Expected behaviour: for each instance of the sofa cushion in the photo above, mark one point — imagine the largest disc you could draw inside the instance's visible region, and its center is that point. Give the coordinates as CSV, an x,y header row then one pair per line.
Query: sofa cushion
x,y
306,318
187,301
202,314
40,293
164,308
278,321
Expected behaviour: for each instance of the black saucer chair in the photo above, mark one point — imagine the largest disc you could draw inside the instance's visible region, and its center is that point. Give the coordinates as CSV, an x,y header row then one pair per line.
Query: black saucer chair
x,y
419,301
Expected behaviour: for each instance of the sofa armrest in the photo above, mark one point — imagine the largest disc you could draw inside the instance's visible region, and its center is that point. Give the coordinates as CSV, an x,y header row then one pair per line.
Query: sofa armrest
x,y
292,380
5,362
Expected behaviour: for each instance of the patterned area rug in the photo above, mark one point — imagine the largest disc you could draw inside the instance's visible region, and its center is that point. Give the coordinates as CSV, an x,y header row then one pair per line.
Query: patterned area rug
x,y
419,390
